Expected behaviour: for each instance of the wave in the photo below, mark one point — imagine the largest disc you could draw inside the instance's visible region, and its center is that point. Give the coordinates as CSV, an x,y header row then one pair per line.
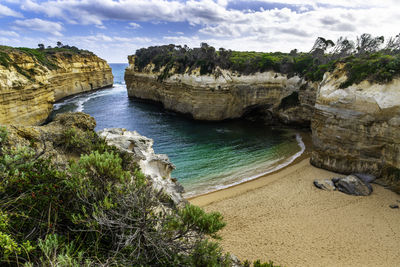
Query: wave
x,y
79,100
276,168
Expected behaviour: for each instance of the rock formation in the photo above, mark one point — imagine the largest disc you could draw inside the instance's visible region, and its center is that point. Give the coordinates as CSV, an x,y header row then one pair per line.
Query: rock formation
x,y
357,129
49,141
28,87
156,166
227,95
354,130
351,185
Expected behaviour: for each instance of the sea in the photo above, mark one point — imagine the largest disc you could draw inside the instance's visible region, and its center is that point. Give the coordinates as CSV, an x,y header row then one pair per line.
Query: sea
x,y
208,155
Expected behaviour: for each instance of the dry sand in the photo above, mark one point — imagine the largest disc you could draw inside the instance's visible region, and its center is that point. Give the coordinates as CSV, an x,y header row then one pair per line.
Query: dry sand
x,y
282,217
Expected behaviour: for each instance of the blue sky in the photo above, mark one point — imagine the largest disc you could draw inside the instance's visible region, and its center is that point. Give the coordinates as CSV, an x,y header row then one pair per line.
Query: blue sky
x,y
114,29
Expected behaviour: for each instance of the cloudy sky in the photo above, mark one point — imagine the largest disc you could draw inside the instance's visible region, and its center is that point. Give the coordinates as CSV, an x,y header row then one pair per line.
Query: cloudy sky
x,y
115,28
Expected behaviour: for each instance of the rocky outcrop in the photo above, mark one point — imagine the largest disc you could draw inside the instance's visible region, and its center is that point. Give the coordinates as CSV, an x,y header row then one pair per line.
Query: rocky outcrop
x,y
155,166
49,141
357,129
225,94
28,87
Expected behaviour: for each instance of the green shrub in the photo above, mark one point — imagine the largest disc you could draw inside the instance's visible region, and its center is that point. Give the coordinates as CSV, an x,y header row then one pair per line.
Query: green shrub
x,y
58,252
375,67
97,211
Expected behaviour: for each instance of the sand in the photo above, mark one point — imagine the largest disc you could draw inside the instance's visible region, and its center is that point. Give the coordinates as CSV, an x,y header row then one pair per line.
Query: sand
x,y
282,217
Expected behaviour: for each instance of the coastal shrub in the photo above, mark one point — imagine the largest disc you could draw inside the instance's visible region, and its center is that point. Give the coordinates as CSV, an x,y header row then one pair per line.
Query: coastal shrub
x,y
4,59
56,251
204,223
78,141
96,211
39,55
375,67
43,56
367,60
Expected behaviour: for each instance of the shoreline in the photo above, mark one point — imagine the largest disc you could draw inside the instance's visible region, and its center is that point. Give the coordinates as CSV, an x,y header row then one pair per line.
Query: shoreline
x,y
283,217
306,141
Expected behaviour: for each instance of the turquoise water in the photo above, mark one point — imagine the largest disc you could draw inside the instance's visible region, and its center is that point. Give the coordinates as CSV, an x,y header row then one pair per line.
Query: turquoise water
x,y
207,155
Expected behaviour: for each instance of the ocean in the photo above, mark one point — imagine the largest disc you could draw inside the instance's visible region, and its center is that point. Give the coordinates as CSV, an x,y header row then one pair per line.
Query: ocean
x,y
208,155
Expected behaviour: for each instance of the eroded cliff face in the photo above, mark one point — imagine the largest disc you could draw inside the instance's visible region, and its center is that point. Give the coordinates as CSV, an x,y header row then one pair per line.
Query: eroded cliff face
x,y
28,88
226,95
357,129
156,167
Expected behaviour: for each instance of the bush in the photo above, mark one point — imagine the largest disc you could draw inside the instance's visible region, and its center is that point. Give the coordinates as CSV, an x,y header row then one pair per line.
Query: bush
x,y
97,211
375,67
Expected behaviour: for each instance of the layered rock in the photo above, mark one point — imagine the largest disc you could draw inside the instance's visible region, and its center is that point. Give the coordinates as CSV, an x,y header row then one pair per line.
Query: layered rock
x,y
357,129
155,166
225,94
28,87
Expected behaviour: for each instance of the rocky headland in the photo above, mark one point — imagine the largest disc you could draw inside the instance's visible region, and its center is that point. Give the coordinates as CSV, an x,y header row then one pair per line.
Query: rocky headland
x,y
31,80
227,95
354,116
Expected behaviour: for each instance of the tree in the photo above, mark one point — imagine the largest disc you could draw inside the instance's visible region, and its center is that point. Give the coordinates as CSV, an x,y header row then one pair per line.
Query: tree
x,y
393,45
343,48
322,44
368,44
59,44
41,46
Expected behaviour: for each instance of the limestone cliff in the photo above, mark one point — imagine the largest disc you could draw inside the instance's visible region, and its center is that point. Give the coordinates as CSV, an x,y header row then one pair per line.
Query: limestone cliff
x,y
357,129
29,84
157,167
225,94
354,130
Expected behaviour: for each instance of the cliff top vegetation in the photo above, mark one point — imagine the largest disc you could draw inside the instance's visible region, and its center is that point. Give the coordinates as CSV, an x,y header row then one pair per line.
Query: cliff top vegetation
x,y
366,58
43,57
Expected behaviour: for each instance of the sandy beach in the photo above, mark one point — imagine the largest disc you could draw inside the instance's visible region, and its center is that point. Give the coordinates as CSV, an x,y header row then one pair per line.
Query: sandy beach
x,y
282,217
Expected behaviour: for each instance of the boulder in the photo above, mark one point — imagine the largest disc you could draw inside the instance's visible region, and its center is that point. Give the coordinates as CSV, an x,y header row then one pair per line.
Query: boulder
x,y
365,177
352,185
325,184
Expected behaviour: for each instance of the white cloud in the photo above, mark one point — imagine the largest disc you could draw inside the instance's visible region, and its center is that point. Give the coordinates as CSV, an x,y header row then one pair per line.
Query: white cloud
x,y
134,25
9,33
277,29
37,24
6,11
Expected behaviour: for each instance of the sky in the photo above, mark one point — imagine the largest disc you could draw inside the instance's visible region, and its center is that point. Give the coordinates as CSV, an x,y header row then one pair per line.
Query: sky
x,y
113,29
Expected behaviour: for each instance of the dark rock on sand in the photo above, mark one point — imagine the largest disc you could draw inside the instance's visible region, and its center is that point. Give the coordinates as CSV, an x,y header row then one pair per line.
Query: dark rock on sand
x,y
352,185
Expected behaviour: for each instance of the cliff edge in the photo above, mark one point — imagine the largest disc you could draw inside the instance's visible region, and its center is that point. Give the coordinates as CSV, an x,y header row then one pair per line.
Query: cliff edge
x,y
31,80
225,94
357,128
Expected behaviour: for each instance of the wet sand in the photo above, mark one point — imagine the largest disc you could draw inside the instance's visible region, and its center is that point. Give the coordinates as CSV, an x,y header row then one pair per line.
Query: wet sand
x,y
282,217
